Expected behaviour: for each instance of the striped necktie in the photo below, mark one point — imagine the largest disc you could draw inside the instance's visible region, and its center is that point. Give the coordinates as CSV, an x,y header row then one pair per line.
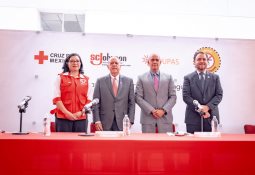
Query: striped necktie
x,y
202,80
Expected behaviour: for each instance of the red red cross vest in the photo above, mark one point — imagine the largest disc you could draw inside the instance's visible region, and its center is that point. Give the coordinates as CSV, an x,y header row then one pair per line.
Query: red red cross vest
x,y
73,94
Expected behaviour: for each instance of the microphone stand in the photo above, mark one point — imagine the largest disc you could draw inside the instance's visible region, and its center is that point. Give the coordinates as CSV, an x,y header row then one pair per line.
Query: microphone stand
x,y
21,110
87,111
202,119
202,122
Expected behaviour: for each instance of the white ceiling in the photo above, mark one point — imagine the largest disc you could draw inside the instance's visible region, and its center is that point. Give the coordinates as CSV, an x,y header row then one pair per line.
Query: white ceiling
x,y
196,18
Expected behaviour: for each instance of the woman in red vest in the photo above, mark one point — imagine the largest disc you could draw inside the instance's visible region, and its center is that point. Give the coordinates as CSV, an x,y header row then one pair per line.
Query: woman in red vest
x,y
71,95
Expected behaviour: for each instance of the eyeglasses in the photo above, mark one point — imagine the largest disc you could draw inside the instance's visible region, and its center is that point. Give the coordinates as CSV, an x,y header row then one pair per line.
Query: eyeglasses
x,y
74,61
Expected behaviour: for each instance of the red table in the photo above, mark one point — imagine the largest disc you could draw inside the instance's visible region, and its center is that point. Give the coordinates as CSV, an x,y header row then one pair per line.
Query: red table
x,y
68,153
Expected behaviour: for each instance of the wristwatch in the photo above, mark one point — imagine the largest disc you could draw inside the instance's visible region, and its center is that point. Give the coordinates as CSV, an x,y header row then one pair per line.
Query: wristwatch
x,y
164,111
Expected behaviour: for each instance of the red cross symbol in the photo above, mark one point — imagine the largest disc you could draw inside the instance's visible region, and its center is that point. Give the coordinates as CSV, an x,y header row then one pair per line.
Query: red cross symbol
x,y
41,57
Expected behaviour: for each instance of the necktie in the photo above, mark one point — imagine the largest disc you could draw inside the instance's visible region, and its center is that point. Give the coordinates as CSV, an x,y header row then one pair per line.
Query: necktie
x,y
114,87
202,80
156,82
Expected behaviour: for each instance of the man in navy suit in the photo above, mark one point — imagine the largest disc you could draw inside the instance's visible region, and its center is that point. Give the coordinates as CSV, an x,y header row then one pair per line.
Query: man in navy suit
x,y
205,87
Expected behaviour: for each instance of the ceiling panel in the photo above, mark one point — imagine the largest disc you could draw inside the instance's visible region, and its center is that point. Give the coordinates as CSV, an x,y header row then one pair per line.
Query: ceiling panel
x,y
53,22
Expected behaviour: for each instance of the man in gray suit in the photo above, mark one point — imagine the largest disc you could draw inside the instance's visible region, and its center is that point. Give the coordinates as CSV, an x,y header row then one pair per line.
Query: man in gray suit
x,y
156,96
205,87
116,98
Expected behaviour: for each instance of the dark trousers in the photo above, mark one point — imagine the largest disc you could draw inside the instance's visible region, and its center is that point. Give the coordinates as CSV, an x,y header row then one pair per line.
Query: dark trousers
x,y
63,125
114,126
191,128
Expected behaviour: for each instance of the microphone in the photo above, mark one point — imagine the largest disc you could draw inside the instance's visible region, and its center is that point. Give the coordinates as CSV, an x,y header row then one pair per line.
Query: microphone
x,y
88,107
23,103
198,107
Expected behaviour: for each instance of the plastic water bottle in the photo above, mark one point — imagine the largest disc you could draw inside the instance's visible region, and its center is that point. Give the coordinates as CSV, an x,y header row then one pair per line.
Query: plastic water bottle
x,y
214,124
126,125
46,126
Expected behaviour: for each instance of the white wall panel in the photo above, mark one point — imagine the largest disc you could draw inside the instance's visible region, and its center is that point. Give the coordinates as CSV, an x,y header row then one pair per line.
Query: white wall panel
x,y
21,75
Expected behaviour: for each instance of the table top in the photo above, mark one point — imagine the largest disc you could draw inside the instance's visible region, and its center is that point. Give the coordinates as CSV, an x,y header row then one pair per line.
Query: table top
x,y
132,137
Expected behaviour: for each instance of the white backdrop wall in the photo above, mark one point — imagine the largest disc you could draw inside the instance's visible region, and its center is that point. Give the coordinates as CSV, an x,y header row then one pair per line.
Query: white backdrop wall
x,y
22,75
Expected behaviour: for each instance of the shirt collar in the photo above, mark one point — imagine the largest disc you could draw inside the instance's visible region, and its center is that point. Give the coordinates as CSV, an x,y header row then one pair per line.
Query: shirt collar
x,y
117,77
199,72
153,73
80,75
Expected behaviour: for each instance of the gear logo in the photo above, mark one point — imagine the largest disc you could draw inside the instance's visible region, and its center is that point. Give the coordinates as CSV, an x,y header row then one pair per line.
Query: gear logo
x,y
214,60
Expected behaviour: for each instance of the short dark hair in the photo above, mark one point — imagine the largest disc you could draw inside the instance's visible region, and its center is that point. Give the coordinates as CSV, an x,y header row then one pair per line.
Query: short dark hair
x,y
65,65
196,53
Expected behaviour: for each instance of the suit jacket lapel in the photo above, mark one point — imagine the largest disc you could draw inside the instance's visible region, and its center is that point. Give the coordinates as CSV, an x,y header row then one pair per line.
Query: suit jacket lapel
x,y
207,80
197,80
161,78
109,84
150,79
121,85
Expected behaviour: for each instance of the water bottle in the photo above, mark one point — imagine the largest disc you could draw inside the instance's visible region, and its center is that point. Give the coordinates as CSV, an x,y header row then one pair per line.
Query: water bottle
x,y
126,125
214,124
46,126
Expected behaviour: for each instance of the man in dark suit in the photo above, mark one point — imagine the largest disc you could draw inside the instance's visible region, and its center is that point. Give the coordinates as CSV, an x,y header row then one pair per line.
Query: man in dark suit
x,y
156,96
205,87
116,98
